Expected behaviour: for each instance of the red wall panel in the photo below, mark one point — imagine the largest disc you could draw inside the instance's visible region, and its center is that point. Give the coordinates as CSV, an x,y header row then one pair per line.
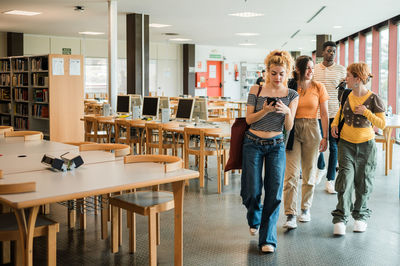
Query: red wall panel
x,y
375,60
392,66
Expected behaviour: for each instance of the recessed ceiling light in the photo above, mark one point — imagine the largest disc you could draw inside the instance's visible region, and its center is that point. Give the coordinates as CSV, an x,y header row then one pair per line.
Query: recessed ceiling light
x,y
91,33
180,39
247,44
337,27
247,34
246,14
22,13
313,40
155,25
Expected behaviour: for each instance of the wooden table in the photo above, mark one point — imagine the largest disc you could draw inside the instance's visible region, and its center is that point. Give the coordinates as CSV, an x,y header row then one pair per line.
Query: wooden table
x,y
91,180
392,122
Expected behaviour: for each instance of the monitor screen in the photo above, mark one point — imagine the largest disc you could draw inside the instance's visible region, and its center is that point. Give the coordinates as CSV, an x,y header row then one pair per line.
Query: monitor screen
x,y
150,106
123,104
185,109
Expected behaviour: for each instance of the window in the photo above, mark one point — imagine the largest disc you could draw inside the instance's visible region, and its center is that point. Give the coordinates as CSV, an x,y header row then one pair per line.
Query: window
x,y
96,75
346,53
356,49
368,50
383,63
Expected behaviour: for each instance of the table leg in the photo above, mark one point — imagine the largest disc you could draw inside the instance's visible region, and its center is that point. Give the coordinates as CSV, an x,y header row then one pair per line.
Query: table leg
x,y
26,229
387,134
179,189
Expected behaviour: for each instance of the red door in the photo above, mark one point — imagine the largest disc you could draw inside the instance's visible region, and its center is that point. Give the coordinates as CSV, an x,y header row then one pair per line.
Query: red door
x,y
214,78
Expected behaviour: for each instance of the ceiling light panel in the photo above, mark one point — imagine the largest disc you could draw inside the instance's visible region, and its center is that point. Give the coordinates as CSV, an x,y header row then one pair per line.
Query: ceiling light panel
x,y
155,25
247,44
180,39
246,14
21,13
247,34
337,27
90,33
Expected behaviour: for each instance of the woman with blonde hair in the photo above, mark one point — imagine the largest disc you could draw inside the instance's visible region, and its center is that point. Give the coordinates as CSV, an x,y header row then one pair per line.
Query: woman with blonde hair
x,y
270,110
305,141
361,111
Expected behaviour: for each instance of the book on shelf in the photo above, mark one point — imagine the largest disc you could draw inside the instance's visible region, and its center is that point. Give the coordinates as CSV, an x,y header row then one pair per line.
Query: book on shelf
x,y
5,65
41,96
21,123
21,109
5,79
21,94
20,64
39,64
20,80
40,79
40,110
5,94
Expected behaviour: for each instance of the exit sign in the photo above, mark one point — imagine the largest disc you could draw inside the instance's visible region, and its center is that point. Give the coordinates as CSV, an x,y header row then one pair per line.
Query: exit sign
x,y
66,50
215,56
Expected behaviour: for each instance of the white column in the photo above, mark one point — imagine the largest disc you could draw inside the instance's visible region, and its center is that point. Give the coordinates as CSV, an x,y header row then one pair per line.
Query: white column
x,y
112,53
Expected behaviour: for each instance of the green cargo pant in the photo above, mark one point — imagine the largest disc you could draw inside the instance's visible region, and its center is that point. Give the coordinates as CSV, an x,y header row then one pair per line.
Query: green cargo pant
x,y
357,164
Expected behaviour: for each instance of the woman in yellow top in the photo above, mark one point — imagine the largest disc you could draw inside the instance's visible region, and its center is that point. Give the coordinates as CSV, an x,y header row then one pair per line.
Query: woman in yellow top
x,y
362,110
305,141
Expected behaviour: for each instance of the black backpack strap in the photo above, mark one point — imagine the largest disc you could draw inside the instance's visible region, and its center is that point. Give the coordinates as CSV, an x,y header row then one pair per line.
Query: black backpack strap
x,y
259,90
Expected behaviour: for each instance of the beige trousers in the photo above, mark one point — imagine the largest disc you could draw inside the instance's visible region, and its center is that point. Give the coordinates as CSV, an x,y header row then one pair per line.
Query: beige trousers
x,y
305,152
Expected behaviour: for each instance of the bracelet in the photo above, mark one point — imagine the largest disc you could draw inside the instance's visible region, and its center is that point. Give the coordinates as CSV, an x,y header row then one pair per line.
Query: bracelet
x,y
325,138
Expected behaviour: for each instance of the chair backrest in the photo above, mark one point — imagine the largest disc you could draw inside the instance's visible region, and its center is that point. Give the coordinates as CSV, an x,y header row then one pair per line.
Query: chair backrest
x,y
90,124
154,137
79,143
17,188
171,163
28,135
4,129
120,125
119,149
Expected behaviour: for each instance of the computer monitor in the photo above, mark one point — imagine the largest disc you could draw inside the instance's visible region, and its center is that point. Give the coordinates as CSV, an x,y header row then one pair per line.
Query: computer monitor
x,y
150,106
200,109
185,109
164,102
123,104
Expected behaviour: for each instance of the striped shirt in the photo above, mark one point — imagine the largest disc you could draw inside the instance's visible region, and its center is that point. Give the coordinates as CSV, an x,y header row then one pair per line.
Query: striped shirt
x,y
330,77
272,121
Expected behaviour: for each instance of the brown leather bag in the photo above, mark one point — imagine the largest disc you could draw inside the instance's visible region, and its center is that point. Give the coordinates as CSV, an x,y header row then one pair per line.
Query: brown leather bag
x,y
238,130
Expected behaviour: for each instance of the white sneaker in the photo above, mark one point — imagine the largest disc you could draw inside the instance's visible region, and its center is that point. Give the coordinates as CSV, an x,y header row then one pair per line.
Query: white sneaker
x,y
320,175
253,231
305,216
330,187
339,229
360,226
268,249
290,222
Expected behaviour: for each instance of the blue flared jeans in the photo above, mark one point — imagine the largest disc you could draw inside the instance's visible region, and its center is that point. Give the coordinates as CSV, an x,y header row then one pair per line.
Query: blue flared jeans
x,y
256,152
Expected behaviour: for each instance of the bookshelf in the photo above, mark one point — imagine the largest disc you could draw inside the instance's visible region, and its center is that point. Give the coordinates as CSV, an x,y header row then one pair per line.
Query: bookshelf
x,y
249,74
33,97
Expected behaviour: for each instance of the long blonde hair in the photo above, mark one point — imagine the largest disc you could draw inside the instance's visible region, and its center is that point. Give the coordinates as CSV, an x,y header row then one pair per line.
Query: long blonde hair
x,y
279,58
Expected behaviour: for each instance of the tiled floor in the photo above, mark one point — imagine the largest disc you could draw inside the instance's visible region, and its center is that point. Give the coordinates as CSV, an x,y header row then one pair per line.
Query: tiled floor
x,y
216,232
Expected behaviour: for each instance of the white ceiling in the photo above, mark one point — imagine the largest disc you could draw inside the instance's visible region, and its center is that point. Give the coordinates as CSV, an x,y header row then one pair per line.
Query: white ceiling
x,y
206,21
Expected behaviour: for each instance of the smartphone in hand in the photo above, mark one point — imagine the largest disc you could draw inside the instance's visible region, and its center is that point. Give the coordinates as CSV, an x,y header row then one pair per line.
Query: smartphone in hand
x,y
272,100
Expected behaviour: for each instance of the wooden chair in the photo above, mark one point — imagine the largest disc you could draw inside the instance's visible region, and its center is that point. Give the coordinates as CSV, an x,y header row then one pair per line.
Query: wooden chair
x,y
92,131
9,225
4,129
147,203
201,151
156,139
123,130
381,139
27,135
221,119
118,149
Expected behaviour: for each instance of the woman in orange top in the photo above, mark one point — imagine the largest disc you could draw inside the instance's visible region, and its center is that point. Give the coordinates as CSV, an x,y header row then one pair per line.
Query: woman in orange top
x,y
305,141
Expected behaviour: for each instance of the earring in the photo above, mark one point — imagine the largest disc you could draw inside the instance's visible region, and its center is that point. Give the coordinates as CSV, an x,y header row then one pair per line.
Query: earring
x,y
356,85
